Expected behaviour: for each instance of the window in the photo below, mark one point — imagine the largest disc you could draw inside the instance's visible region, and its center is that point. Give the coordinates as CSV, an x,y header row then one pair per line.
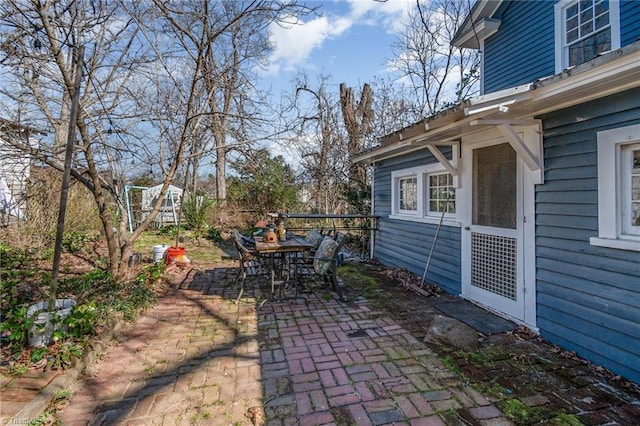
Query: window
x,y
424,194
619,189
585,29
441,194
408,190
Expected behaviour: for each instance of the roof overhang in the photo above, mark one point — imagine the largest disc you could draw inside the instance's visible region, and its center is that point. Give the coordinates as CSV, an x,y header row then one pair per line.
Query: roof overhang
x,y
478,24
611,73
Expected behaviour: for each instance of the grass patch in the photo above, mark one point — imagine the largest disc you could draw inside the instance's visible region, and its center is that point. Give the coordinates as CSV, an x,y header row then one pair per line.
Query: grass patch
x,y
519,412
450,363
565,419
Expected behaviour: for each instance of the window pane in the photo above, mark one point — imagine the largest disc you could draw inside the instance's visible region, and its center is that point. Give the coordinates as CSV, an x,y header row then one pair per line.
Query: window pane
x,y
572,35
602,7
585,4
586,15
572,11
635,188
408,193
603,42
602,21
441,192
636,161
494,186
635,215
586,28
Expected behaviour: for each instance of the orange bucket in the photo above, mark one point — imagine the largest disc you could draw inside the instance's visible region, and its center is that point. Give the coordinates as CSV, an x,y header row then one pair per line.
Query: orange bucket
x,y
174,254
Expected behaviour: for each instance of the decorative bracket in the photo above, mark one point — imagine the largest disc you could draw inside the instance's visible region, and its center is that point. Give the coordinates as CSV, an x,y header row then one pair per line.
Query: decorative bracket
x,y
450,166
527,143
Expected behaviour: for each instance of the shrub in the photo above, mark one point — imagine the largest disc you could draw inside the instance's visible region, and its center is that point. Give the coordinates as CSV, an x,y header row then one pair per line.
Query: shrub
x,y
82,320
15,329
195,210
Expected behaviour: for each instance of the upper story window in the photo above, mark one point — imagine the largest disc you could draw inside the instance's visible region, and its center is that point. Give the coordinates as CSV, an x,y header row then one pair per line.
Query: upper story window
x,y
619,189
585,29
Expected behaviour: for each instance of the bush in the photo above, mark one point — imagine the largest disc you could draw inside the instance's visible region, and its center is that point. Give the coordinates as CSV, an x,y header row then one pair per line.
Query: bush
x,y
82,320
195,210
15,329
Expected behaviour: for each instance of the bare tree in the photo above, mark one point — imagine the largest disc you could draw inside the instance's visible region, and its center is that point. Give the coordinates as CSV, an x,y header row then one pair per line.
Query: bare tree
x,y
392,106
358,121
438,73
144,103
322,144
225,42
39,39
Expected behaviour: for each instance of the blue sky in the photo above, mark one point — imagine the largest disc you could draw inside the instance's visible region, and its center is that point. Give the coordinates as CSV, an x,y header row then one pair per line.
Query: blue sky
x,y
350,41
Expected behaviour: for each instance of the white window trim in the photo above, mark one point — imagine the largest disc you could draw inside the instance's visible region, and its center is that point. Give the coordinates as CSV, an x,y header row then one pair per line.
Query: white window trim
x,y
421,214
560,27
610,199
395,191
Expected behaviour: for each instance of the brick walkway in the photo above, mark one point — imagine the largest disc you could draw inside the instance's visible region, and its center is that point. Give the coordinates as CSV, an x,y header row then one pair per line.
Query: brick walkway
x,y
198,358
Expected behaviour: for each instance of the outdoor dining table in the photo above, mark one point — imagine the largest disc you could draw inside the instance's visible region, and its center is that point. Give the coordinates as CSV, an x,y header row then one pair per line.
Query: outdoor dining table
x,y
293,245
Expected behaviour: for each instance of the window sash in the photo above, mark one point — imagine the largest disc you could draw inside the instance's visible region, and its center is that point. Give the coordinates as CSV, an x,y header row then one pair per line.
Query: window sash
x,y
630,177
587,30
408,194
440,194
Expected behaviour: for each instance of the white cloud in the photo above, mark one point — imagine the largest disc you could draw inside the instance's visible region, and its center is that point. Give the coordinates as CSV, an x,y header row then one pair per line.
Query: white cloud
x,y
294,44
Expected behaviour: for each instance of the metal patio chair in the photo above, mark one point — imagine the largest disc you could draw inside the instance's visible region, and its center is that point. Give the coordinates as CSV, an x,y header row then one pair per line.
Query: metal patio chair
x,y
250,262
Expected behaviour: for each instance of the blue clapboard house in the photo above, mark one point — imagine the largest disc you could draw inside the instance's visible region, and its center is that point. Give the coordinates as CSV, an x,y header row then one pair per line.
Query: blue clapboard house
x,y
533,187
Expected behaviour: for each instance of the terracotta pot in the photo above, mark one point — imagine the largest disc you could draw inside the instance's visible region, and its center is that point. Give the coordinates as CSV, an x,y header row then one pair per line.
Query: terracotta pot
x,y
270,237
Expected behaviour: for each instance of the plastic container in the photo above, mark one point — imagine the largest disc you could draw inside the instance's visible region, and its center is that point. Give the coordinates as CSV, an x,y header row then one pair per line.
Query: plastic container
x,y
158,252
175,254
45,323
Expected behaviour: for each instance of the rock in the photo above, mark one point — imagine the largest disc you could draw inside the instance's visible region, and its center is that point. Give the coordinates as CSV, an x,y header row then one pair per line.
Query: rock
x,y
446,331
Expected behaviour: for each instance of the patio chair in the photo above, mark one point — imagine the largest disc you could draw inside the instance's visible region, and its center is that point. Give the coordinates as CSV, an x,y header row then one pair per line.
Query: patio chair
x,y
323,264
250,262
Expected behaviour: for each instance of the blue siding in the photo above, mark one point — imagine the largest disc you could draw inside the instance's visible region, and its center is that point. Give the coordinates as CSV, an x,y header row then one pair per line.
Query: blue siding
x,y
407,244
629,22
523,48
588,297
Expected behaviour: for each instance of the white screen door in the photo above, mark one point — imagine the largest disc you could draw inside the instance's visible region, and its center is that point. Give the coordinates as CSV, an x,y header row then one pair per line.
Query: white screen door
x,y
495,278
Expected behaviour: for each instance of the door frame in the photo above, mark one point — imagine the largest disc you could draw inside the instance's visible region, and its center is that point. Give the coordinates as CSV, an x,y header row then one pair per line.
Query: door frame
x,y
525,218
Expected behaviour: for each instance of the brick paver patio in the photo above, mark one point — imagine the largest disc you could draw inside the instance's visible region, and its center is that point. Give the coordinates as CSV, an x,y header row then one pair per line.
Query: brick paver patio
x,y
199,358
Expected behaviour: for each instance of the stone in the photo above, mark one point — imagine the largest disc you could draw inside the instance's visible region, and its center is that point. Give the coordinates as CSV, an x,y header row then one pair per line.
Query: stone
x,y
446,331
